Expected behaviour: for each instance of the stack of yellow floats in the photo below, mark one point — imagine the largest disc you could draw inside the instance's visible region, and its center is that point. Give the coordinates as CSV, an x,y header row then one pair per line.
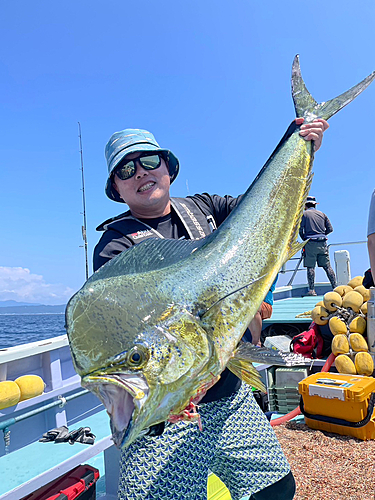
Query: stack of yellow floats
x,y
25,387
345,311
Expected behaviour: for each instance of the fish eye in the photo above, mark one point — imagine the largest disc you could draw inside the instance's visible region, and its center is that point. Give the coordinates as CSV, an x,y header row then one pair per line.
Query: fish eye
x,y
137,357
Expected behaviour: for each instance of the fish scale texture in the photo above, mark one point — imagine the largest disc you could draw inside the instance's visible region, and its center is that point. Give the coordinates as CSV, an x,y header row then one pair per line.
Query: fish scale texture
x,y
237,444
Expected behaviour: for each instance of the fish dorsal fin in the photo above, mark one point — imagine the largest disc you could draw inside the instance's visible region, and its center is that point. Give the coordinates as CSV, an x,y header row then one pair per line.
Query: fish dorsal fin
x,y
150,255
306,106
293,249
294,245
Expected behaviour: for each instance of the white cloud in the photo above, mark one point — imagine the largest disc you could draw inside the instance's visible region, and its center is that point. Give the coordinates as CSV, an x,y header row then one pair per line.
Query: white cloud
x,y
18,283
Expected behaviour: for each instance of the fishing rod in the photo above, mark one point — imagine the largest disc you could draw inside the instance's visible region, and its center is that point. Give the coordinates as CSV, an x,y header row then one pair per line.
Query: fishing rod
x,y
84,232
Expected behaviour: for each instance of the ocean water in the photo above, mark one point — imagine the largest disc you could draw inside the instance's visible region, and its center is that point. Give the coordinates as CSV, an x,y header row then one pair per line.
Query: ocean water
x,y
17,329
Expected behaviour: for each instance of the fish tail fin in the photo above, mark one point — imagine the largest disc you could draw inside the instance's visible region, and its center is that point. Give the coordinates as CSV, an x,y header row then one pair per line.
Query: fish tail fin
x,y
306,106
242,367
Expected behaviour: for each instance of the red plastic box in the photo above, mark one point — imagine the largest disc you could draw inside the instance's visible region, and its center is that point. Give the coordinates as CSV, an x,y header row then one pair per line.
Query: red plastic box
x,y
77,484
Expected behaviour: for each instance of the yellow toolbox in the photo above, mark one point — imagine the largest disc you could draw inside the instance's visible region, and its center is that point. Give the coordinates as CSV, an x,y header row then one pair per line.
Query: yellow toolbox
x,y
343,404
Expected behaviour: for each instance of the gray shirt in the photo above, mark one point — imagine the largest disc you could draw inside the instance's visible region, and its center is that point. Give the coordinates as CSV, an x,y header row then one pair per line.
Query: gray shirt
x,y
371,216
315,224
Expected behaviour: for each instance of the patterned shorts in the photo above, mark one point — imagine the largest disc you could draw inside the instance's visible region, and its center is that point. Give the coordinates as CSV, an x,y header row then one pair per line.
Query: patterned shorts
x,y
237,444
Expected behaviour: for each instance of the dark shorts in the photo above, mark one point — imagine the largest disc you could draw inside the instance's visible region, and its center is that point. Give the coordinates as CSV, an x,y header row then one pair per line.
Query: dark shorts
x,y
316,252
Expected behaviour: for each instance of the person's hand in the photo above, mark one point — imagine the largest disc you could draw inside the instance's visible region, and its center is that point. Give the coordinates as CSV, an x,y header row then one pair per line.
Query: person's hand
x,y
313,131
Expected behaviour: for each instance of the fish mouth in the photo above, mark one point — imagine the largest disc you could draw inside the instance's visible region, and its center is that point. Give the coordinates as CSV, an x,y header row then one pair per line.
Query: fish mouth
x,y
123,396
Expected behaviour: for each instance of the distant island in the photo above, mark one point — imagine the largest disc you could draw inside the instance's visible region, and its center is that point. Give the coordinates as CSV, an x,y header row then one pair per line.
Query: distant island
x,y
14,307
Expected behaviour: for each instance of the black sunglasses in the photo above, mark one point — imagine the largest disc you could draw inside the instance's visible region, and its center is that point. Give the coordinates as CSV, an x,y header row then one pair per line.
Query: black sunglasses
x,y
148,161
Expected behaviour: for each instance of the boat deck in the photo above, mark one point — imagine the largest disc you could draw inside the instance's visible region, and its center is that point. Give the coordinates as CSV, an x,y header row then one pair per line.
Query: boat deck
x,y
33,466
286,310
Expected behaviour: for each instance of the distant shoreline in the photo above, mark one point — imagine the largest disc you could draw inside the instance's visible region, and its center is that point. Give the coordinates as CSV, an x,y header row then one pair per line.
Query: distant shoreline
x,y
30,313
37,309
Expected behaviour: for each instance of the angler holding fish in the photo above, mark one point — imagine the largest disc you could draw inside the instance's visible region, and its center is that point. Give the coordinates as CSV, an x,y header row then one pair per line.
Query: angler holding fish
x,y
155,330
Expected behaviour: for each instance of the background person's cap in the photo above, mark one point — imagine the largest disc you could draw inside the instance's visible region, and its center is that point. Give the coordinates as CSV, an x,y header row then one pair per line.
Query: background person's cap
x,y
129,141
311,199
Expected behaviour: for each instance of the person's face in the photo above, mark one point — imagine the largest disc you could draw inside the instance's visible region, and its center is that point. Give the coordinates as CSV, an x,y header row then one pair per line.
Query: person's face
x,y
147,192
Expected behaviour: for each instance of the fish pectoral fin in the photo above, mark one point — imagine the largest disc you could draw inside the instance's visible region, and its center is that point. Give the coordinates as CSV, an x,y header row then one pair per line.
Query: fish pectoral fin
x,y
267,356
244,369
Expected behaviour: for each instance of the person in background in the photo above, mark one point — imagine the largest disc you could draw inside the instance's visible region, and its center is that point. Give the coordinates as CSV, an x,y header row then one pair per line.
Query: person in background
x,y
368,281
172,461
371,235
253,332
315,226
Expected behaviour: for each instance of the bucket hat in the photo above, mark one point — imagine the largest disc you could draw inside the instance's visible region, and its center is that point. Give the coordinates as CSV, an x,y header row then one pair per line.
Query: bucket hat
x,y
133,140
311,199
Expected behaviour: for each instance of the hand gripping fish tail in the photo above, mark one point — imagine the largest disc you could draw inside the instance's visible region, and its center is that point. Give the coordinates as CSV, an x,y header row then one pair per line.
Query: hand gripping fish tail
x,y
155,327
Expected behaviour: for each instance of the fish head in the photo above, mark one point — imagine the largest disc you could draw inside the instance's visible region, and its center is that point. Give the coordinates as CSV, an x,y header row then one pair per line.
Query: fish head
x,y
144,363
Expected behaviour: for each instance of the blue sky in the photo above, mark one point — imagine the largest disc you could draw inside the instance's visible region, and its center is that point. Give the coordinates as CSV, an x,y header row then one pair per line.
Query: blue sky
x,y
210,79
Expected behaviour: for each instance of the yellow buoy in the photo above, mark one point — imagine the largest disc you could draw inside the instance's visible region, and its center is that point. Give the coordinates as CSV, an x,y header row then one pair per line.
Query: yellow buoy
x,y
337,326
30,386
343,289
9,394
365,292
356,281
340,344
332,299
345,365
364,363
358,325
319,315
364,308
353,300
358,342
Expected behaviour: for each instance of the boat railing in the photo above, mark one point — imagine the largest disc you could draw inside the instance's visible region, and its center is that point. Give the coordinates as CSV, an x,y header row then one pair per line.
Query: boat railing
x,y
299,259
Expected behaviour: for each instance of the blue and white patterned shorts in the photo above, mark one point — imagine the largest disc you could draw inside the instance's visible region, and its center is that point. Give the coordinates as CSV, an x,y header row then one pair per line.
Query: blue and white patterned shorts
x,y
237,444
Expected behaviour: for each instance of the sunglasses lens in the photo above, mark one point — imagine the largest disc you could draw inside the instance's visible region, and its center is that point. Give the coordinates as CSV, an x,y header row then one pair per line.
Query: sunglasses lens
x,y
126,171
150,162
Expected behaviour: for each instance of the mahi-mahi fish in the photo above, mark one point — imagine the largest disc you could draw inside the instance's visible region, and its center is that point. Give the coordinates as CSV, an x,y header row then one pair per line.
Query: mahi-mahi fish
x,y
152,330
